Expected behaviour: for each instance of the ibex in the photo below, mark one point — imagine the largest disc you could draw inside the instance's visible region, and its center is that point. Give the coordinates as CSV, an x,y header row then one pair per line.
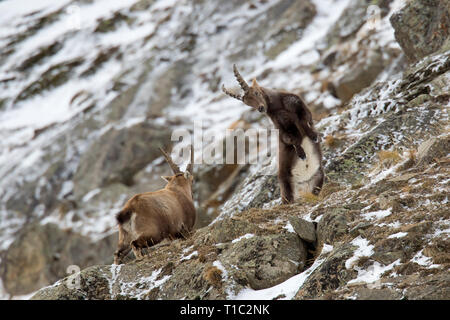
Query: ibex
x,y
148,218
300,157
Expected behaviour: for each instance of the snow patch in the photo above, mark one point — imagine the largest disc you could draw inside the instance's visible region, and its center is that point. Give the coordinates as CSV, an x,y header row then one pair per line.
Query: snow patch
x,y
376,215
372,273
245,236
287,289
364,249
397,235
423,260
289,227
189,256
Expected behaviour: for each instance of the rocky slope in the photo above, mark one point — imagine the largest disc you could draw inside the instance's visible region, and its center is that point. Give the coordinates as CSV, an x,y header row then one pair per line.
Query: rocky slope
x,y
84,108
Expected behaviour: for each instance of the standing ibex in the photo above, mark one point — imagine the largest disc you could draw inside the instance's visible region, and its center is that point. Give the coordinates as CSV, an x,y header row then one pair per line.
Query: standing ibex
x,y
300,157
148,218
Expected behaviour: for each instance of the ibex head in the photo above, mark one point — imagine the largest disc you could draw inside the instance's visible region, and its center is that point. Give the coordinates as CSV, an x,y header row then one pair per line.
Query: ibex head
x,y
179,177
254,96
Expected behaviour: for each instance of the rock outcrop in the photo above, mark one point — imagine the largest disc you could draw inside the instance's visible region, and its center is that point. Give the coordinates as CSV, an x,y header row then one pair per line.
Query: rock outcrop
x,y
422,28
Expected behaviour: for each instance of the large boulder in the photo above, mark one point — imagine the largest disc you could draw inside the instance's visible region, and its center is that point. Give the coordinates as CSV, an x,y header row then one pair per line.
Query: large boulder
x,y
267,260
422,27
330,275
332,226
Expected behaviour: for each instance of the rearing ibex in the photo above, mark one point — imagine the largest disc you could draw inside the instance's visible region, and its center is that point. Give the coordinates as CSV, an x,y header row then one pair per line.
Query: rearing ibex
x,y
148,218
300,157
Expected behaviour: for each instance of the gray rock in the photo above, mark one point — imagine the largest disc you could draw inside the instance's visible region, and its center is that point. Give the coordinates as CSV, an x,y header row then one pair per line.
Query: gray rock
x,y
226,230
305,229
433,148
422,27
387,257
332,226
267,260
93,285
432,287
377,294
331,274
255,191
355,231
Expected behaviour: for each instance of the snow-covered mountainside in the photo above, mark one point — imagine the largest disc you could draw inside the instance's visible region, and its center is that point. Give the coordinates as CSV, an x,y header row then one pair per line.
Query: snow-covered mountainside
x,y
90,89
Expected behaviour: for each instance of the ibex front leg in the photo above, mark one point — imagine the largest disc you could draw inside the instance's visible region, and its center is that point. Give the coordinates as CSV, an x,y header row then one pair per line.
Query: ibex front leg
x,y
295,141
306,127
284,172
121,253
137,250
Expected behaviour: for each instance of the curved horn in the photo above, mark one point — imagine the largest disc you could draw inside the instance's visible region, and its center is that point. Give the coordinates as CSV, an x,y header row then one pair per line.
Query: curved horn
x,y
231,94
191,164
239,78
169,160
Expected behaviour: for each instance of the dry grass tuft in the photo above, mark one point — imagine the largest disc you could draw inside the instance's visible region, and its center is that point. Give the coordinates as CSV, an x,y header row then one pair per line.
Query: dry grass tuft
x,y
206,253
258,215
412,155
330,141
406,189
389,157
330,188
308,197
438,252
213,276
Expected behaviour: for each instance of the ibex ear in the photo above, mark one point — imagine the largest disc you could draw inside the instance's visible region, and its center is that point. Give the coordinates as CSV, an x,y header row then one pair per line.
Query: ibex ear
x,y
254,83
187,175
167,178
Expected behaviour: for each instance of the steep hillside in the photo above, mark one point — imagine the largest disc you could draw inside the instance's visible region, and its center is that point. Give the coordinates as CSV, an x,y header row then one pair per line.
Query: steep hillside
x,y
379,229
90,89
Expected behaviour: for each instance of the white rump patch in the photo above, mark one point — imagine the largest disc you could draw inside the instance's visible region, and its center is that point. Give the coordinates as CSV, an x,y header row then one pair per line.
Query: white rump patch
x,y
304,170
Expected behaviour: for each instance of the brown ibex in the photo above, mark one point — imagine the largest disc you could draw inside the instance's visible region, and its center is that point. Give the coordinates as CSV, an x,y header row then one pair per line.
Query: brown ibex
x,y
300,157
148,218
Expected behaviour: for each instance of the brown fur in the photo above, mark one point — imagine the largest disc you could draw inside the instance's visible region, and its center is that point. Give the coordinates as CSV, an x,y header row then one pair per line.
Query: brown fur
x,y
148,218
293,119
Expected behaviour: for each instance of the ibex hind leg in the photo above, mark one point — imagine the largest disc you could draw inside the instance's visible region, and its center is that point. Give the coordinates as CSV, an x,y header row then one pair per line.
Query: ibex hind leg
x,y
184,233
286,191
318,182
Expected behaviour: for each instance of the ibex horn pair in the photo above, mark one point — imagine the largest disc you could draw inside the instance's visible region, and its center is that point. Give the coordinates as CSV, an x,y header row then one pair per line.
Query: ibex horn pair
x,y
241,81
172,164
